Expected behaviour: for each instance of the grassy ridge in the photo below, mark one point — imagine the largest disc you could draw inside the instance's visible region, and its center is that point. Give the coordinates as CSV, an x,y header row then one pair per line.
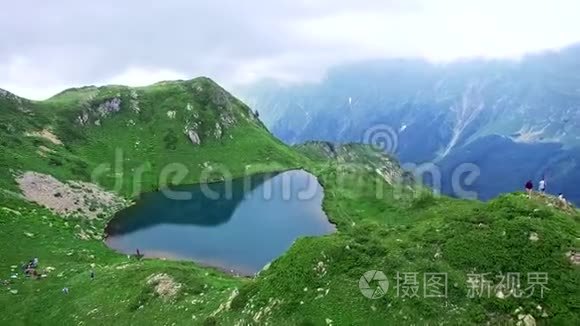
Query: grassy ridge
x,y
318,279
147,131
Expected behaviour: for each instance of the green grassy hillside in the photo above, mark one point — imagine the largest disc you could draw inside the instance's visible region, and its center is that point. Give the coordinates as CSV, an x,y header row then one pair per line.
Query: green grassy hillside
x,y
127,128
383,223
116,131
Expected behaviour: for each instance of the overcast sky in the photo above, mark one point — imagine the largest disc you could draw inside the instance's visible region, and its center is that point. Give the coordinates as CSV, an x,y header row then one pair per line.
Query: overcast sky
x,y
46,46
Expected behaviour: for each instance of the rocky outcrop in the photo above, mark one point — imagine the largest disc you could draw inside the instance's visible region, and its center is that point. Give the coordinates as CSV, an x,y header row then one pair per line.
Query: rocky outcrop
x,y
574,257
164,286
193,137
109,107
526,320
358,156
225,306
91,114
71,198
217,131
46,134
5,93
43,150
83,118
227,119
19,102
134,102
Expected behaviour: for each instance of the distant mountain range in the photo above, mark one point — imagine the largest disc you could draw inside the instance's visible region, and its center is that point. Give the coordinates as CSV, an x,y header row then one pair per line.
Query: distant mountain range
x,y
514,120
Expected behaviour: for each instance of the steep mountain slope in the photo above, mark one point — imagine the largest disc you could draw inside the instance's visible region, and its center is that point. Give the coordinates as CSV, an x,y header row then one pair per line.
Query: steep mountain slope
x,y
504,164
436,113
357,157
122,137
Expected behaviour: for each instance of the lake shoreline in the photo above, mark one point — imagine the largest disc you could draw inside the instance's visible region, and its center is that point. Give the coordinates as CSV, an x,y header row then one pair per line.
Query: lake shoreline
x,y
285,199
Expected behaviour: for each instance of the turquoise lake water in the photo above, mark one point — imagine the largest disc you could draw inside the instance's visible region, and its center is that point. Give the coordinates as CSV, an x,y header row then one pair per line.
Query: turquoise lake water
x,y
238,226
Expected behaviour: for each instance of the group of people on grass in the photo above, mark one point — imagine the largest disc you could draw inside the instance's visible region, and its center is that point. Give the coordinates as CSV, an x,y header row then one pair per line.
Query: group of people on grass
x,y
542,190
30,268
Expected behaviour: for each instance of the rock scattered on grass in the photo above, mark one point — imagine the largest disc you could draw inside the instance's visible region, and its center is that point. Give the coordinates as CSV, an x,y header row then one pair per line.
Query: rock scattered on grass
x,y
9,210
526,320
164,285
46,134
574,257
71,197
500,295
225,306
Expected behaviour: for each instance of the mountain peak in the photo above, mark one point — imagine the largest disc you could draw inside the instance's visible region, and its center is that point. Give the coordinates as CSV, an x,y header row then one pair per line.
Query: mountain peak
x,y
6,94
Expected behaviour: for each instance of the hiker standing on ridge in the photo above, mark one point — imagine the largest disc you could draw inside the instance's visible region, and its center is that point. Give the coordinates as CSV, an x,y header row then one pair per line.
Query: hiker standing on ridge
x,y
542,186
529,188
562,200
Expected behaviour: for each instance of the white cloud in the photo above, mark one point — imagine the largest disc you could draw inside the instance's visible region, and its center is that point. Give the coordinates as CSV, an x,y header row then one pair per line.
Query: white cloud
x,y
455,30
69,43
136,76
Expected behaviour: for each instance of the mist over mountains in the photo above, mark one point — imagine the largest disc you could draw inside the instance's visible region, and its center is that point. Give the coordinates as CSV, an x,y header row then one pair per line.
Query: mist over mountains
x,y
514,120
